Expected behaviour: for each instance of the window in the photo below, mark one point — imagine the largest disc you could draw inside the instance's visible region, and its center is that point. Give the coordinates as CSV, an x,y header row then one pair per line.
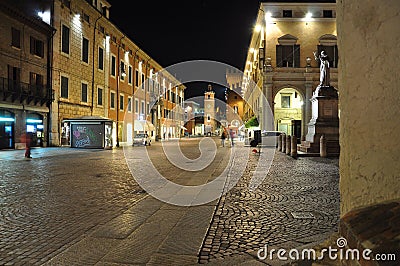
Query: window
x,y
332,52
129,104
121,102
15,38
136,106
113,62
85,50
285,100
123,73
148,107
37,47
99,96
142,111
84,92
35,82
136,78
65,39
101,59
235,109
208,118
288,55
287,13
86,17
130,74
327,13
142,84
64,87
112,100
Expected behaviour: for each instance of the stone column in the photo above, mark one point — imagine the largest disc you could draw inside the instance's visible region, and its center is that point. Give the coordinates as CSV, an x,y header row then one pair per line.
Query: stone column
x,y
322,146
283,143
369,102
293,150
288,144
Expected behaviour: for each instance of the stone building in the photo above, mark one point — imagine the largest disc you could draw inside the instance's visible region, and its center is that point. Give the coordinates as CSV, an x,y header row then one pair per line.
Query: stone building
x,y
209,111
280,62
25,77
97,71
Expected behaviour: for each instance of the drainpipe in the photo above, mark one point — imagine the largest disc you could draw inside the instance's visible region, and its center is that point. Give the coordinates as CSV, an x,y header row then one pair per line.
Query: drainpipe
x,y
118,78
93,64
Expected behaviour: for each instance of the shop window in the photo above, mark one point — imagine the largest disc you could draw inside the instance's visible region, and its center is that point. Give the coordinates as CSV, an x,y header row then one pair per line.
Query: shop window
x,y
327,13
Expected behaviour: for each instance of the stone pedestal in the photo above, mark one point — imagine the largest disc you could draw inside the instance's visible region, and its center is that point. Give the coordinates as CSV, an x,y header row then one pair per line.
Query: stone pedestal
x,y
324,121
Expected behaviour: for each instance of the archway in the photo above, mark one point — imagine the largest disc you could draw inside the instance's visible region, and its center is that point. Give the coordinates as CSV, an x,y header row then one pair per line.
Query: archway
x,y
288,111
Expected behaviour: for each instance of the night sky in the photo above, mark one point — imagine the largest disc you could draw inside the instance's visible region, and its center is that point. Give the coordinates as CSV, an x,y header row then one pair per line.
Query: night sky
x,y
176,31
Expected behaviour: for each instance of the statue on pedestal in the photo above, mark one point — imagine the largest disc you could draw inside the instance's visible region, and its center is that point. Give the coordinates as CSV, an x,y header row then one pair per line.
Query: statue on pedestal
x,y
324,69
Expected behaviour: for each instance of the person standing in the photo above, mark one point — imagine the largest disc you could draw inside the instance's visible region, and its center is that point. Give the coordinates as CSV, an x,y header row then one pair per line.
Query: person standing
x,y
223,137
28,141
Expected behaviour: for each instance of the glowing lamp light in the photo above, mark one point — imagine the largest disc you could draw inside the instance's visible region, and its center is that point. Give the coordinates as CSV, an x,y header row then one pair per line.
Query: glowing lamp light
x,y
34,121
6,119
308,15
251,50
257,28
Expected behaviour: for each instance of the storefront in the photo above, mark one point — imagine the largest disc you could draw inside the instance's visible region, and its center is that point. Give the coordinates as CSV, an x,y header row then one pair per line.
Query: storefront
x,y
35,127
7,125
90,132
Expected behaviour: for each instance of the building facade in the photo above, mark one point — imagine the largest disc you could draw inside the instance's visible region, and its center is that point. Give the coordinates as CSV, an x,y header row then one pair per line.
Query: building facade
x,y
92,70
281,66
25,77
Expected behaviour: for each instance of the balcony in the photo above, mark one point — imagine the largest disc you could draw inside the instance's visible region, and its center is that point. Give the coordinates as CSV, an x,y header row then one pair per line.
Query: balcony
x,y
18,92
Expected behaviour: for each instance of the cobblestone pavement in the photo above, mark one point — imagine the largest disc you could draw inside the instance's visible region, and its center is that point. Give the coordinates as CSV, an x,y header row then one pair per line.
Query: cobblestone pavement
x,y
296,205
50,202
82,207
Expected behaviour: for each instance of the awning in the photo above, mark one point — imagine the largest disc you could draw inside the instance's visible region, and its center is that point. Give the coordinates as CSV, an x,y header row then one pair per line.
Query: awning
x,y
143,125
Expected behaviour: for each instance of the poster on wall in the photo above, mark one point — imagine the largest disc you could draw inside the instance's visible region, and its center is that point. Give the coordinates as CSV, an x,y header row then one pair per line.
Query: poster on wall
x,y
87,135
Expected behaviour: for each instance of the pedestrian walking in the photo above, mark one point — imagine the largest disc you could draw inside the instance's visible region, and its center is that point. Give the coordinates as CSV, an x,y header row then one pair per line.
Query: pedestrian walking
x,y
223,137
231,135
27,139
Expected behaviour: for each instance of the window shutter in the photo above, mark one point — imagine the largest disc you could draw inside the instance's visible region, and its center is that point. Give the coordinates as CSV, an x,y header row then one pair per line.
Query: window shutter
x,y
296,56
279,55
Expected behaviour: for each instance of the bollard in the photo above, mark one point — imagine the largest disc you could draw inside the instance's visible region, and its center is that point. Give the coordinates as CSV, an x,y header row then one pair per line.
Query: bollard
x,y
280,142
288,144
283,143
293,151
322,146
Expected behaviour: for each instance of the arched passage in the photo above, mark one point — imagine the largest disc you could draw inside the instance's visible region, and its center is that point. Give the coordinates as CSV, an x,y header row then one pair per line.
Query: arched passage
x,y
288,111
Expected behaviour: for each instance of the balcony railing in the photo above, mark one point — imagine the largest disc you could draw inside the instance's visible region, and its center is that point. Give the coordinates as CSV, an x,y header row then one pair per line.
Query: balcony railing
x,y
12,91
